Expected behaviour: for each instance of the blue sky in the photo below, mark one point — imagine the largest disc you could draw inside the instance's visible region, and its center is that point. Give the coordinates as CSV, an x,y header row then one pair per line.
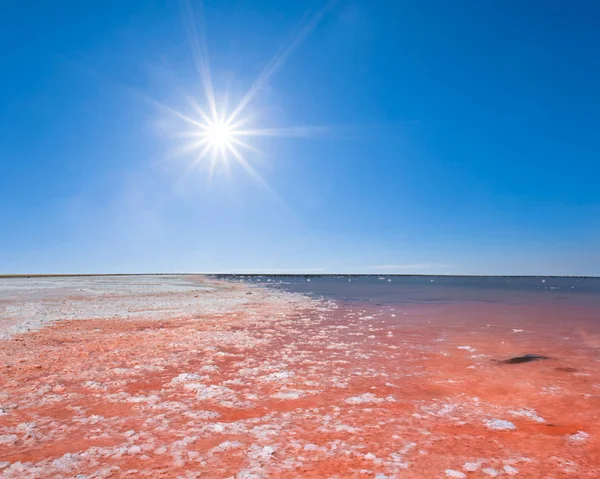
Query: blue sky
x,y
462,137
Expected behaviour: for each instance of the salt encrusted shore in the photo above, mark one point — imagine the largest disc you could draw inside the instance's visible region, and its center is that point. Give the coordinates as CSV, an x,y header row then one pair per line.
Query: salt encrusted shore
x,y
28,304
189,377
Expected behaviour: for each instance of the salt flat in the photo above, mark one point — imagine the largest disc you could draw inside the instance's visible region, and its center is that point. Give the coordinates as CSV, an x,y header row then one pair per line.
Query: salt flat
x,y
189,377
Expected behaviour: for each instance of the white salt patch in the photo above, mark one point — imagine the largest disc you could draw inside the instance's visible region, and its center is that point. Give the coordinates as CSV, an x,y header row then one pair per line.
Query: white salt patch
x,y
288,395
499,425
528,413
455,474
134,450
94,385
368,398
226,446
257,452
8,439
67,461
209,368
488,471
365,398
511,471
470,466
579,437
517,330
466,348
278,376
184,377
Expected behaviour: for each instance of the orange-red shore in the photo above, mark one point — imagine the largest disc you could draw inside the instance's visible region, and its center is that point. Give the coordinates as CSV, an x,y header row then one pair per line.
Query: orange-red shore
x,y
239,381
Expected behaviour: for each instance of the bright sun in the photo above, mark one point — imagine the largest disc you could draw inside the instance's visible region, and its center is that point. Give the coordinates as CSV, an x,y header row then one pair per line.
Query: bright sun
x,y
219,135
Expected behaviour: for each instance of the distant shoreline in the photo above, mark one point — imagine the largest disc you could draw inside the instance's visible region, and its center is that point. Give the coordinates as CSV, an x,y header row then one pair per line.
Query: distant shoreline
x,y
296,275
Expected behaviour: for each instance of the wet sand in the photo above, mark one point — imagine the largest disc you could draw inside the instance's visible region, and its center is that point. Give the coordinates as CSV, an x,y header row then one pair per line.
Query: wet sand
x,y
193,377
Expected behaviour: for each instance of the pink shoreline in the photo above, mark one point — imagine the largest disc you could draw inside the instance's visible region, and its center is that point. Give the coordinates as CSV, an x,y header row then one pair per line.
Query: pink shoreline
x,y
273,384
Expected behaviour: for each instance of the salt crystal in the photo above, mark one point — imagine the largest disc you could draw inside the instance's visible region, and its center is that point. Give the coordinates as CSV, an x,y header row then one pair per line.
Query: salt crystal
x,y
579,437
466,348
227,445
455,474
511,471
134,450
529,413
488,471
8,439
500,425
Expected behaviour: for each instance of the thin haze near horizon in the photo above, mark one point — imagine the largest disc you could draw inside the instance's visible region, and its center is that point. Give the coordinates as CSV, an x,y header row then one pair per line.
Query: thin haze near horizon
x,y
369,137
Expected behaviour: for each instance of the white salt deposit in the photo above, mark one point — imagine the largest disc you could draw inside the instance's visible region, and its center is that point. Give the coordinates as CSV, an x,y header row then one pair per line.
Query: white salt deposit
x,y
455,474
470,466
528,413
511,471
499,425
580,436
488,471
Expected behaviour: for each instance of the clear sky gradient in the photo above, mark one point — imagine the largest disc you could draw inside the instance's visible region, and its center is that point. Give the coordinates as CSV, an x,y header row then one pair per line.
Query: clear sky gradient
x,y
454,137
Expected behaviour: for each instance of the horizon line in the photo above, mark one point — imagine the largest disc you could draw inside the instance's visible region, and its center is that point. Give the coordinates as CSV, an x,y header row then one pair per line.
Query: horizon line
x,y
66,275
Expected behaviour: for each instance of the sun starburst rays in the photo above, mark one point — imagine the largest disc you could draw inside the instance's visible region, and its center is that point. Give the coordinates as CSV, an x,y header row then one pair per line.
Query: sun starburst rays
x,y
217,138
217,134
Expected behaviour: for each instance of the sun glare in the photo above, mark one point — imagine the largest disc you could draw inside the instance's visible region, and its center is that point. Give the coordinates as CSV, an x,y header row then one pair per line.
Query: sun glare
x,y
219,135
216,136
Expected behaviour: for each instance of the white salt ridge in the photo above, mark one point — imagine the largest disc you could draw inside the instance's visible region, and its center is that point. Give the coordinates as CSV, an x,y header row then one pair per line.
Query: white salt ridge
x,y
368,398
528,413
227,446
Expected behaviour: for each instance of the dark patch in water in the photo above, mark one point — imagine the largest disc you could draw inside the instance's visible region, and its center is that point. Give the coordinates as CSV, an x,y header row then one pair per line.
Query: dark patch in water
x,y
527,358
